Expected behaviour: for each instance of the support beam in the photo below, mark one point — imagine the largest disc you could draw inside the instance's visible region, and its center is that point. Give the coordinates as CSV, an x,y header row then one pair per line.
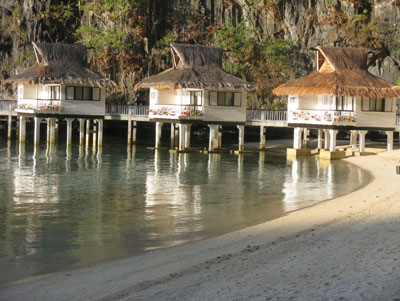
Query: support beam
x,y
100,123
22,129
9,128
87,133
389,135
158,134
187,135
48,131
182,136
241,137
134,128
332,136
263,136
219,137
52,131
353,139
172,138
94,136
319,139
36,133
297,138
81,131
306,139
69,132
56,130
326,139
129,140
213,140
361,135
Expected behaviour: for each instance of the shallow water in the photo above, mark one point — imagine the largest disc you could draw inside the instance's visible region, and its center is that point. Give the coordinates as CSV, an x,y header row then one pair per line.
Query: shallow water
x,y
59,212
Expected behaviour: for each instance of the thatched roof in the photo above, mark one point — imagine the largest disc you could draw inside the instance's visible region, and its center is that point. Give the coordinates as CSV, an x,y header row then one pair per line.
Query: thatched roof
x,y
195,66
340,72
60,64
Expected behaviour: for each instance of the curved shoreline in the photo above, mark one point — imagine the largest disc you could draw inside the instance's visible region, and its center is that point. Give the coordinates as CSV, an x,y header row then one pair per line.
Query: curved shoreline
x,y
260,261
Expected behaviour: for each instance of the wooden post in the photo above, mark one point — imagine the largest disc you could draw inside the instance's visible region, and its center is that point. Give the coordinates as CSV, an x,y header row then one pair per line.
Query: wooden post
x,y
94,137
52,131
262,137
48,131
182,136
306,133
69,131
129,140
389,135
172,138
9,128
332,136
187,135
100,123
22,129
319,139
326,139
87,133
219,137
297,138
134,127
158,134
56,130
81,131
36,133
213,140
361,143
241,137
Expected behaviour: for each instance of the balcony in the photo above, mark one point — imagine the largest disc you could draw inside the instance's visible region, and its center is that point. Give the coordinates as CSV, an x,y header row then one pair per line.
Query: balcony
x,y
322,117
39,106
176,112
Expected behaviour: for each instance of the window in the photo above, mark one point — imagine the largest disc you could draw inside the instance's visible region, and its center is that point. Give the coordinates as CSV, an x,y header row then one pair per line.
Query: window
x,y
54,92
195,98
229,99
377,104
325,102
344,103
83,93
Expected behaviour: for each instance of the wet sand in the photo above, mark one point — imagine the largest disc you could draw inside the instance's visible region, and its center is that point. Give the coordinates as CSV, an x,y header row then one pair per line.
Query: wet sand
x,y
344,248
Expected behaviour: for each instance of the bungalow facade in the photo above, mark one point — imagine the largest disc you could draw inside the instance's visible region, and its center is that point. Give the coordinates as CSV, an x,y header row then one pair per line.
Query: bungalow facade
x,y
340,95
59,86
197,90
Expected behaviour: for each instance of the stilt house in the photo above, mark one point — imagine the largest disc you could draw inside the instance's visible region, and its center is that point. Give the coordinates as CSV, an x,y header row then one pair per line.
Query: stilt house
x,y
59,83
197,89
341,95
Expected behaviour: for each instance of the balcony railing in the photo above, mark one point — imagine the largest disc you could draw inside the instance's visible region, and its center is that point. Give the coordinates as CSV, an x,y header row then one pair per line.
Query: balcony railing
x,y
127,110
7,105
269,115
321,116
176,111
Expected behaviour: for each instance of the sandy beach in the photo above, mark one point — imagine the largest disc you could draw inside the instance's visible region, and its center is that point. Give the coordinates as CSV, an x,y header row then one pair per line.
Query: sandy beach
x,y
344,248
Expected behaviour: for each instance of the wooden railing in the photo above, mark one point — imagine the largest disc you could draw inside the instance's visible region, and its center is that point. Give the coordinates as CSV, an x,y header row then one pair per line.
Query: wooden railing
x,y
269,115
127,110
7,105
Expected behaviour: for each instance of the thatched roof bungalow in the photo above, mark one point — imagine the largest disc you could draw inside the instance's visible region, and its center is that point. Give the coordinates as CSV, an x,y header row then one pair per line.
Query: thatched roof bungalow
x,y
197,88
340,95
59,81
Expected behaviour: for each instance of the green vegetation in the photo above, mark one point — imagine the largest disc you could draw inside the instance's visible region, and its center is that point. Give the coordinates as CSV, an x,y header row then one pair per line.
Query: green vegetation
x,y
265,62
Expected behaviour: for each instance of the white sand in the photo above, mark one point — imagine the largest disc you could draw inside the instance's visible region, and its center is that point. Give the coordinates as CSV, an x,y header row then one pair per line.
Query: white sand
x,y
345,248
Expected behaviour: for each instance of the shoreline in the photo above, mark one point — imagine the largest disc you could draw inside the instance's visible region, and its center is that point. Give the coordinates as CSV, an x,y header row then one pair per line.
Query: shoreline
x,y
238,264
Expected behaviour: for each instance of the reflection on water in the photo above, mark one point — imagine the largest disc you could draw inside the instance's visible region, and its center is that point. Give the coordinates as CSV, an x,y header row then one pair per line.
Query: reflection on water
x,y
61,209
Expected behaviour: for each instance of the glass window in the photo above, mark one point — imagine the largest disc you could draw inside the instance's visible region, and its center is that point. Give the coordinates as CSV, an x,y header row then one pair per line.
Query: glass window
x,y
70,92
78,93
348,104
195,98
87,93
96,94
237,100
213,98
229,99
221,99
377,104
54,92
339,103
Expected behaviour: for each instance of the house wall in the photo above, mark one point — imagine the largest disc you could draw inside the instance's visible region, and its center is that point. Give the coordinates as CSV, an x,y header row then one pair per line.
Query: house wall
x,y
163,97
224,113
376,119
80,107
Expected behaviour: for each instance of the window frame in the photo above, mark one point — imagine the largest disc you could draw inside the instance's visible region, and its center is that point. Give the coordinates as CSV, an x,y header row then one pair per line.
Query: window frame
x,y
82,89
372,102
222,99
340,100
192,95
54,90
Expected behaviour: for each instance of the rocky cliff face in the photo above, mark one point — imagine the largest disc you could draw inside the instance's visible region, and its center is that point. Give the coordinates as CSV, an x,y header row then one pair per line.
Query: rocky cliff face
x,y
308,23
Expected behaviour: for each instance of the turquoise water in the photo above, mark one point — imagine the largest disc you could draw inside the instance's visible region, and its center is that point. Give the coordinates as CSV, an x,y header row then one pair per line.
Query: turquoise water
x,y
58,212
